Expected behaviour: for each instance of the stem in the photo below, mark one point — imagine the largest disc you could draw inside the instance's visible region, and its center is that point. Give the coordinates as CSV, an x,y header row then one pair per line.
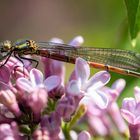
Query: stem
x,y
133,130
66,132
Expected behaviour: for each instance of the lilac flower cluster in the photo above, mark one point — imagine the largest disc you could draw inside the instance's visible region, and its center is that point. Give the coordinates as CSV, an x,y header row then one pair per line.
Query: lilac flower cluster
x,y
41,106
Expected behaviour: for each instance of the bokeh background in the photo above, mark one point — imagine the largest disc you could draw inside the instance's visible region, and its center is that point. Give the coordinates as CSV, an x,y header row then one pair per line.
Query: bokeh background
x,y
96,20
101,23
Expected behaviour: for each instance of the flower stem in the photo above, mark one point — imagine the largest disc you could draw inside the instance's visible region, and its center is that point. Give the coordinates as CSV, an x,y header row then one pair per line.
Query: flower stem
x,y
133,130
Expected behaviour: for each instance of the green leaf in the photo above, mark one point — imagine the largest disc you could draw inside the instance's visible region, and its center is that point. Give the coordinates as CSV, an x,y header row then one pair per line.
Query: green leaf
x,y
133,12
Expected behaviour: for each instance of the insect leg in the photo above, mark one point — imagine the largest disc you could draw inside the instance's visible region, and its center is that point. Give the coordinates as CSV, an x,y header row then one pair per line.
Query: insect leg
x,y
9,55
29,59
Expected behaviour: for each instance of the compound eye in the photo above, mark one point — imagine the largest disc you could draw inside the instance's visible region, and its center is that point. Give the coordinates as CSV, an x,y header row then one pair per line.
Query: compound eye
x,y
7,45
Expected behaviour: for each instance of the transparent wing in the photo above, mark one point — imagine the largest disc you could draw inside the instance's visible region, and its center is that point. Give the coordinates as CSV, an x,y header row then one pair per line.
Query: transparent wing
x,y
124,59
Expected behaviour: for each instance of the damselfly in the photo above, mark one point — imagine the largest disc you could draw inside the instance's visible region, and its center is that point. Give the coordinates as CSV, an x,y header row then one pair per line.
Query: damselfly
x,y
116,60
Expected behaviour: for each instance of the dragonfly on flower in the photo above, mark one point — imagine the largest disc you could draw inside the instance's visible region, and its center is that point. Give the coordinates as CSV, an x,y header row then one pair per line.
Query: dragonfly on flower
x,y
120,61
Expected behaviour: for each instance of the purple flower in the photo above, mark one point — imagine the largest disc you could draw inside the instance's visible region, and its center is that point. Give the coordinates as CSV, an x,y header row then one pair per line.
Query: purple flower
x,y
115,90
84,135
77,41
79,85
52,124
35,91
98,120
117,118
66,107
36,81
6,116
16,68
137,93
19,72
41,134
37,101
113,109
9,132
4,74
8,98
131,110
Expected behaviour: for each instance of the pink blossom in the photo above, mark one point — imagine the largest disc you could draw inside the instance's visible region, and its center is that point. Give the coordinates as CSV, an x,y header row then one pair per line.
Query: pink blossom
x,y
66,107
82,86
16,68
9,132
115,90
113,108
41,134
4,74
84,135
131,110
52,124
137,93
8,98
37,100
36,81
98,120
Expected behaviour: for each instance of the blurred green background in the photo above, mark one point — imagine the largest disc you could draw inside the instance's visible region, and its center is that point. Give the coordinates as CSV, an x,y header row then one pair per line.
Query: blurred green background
x,y
101,23
96,20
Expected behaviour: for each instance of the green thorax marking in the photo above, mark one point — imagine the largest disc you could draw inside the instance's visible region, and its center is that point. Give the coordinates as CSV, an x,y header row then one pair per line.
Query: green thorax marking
x,y
25,44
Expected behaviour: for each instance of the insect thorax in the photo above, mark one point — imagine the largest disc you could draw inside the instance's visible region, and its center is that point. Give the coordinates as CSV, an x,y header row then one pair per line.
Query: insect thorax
x,y
25,45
